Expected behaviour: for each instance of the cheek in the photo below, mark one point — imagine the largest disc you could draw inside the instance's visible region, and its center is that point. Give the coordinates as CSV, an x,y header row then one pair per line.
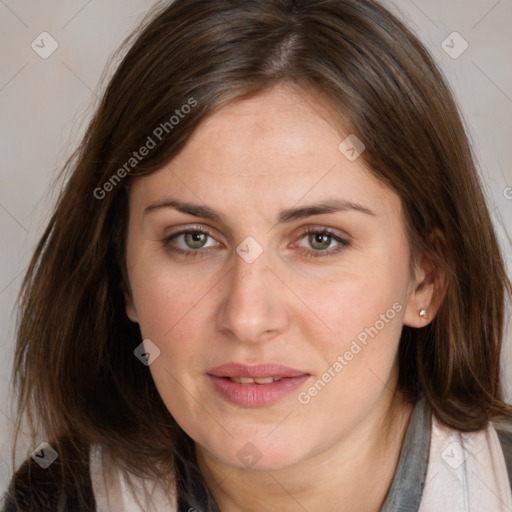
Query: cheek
x,y
357,329
165,294
367,334
348,307
358,362
175,312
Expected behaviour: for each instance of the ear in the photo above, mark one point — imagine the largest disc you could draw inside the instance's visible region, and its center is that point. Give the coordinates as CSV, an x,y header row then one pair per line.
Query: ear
x,y
428,291
131,312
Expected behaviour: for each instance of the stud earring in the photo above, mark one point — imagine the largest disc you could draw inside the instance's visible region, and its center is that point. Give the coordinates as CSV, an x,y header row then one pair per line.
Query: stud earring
x,y
423,313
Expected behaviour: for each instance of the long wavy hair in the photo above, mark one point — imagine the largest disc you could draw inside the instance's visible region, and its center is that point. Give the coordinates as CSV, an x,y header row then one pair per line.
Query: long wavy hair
x,y
77,379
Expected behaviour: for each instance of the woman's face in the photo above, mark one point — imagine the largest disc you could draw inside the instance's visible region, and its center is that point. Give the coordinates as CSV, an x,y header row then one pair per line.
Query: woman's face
x,y
229,285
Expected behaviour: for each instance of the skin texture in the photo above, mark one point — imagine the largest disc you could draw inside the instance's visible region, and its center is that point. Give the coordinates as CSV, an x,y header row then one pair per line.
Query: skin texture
x,y
248,161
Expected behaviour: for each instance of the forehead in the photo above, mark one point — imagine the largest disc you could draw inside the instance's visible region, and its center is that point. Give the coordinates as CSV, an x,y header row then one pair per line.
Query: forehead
x,y
283,123
269,151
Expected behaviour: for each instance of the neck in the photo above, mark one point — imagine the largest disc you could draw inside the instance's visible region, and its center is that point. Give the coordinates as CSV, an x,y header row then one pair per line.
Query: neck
x,y
356,472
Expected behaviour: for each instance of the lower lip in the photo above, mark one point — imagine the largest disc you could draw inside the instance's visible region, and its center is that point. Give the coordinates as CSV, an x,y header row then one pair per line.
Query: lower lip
x,y
256,395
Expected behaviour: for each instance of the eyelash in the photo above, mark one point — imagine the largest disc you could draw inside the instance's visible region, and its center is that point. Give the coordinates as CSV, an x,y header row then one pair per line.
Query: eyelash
x,y
310,253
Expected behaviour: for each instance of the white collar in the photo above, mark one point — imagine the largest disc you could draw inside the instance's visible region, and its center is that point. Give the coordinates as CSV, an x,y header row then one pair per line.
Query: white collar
x,y
466,472
113,494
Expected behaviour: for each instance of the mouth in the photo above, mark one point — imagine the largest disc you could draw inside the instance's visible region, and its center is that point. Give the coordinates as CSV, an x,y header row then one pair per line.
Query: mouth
x,y
249,380
256,385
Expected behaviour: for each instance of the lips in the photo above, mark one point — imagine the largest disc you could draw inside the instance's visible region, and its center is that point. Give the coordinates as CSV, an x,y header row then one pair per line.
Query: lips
x,y
255,386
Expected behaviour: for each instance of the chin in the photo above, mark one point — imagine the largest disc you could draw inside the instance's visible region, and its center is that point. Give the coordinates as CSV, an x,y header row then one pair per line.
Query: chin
x,y
257,453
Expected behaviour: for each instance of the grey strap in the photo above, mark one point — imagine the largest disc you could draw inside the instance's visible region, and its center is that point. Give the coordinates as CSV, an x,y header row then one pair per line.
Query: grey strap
x,y
407,487
506,446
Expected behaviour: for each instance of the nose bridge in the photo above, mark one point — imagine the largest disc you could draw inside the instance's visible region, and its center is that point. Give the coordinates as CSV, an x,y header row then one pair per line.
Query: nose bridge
x,y
252,307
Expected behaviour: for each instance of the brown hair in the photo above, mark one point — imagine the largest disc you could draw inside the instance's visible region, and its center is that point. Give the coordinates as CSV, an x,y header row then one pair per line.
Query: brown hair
x,y
380,79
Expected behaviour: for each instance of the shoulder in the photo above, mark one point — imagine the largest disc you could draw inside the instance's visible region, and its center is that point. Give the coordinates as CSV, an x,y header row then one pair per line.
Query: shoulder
x,y
34,488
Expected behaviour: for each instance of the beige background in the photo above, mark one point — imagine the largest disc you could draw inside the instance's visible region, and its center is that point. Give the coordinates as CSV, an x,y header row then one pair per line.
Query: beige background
x,y
45,104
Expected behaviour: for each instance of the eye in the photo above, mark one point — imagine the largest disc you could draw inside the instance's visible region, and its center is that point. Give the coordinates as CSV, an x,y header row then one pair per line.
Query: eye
x,y
188,242
323,242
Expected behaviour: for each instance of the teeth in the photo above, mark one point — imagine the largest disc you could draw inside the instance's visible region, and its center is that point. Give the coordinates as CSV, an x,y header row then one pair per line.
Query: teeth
x,y
249,380
264,380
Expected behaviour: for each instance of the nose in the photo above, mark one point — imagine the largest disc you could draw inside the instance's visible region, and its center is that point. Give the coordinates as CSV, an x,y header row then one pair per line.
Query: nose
x,y
253,307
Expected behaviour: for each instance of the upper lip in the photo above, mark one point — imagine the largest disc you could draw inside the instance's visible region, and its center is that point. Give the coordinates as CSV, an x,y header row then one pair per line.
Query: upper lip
x,y
257,371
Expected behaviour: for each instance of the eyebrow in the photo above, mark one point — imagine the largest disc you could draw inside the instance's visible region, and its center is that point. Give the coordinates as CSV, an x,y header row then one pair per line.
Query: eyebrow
x,y
288,215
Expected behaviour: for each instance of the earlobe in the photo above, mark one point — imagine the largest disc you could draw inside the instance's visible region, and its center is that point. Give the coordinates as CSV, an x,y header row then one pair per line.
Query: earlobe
x,y
426,297
421,318
131,312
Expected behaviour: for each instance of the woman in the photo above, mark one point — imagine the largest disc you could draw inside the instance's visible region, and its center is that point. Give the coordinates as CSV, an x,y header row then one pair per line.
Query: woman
x,y
271,281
